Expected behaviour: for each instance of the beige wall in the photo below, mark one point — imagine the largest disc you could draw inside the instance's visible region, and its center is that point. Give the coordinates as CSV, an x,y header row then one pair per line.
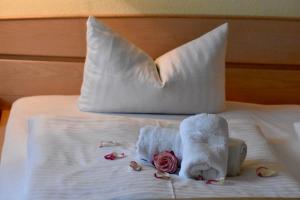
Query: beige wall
x,y
68,8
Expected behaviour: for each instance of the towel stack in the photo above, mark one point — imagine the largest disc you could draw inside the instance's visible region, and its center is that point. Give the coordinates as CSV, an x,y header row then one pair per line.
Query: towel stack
x,y
202,145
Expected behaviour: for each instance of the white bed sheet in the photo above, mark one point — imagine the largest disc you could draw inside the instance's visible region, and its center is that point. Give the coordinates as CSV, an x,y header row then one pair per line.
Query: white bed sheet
x,y
14,152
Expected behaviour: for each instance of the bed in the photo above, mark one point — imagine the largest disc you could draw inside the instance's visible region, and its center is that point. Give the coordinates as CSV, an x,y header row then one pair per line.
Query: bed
x,y
52,64
240,115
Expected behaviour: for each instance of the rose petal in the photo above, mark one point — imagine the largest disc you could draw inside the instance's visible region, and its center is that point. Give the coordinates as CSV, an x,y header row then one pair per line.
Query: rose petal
x,y
162,175
135,166
265,172
215,182
114,155
121,155
111,156
108,144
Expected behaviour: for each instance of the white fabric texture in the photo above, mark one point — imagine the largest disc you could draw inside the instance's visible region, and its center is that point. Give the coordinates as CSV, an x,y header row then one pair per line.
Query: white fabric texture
x,y
297,129
119,77
241,119
66,163
156,139
204,147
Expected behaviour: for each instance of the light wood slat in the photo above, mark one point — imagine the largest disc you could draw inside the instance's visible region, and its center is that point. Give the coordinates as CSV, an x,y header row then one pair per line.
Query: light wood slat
x,y
27,78
26,69
269,41
48,37
39,77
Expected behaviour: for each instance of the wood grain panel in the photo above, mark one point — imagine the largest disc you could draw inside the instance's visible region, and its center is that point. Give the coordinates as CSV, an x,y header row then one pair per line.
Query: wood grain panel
x,y
264,86
268,41
39,77
244,82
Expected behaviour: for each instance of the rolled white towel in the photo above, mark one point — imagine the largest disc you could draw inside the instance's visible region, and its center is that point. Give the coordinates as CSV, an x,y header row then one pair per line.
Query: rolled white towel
x,y
297,129
204,147
237,151
155,139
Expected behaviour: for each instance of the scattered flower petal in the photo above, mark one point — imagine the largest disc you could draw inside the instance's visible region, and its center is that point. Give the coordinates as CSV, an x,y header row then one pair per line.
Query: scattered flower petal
x,y
265,172
166,162
220,181
135,166
108,144
162,175
215,182
114,155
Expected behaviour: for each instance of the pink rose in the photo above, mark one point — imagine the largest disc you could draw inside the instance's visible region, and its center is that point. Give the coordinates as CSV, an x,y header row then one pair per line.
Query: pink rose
x,y
166,162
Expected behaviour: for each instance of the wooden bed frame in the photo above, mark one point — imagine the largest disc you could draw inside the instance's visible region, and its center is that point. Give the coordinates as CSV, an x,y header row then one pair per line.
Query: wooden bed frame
x,y
46,56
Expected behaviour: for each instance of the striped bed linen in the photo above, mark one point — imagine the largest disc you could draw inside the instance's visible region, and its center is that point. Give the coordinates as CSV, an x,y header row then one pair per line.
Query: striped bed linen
x,y
64,162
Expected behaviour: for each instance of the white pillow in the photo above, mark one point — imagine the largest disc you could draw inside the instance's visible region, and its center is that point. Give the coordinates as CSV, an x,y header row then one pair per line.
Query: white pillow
x,y
119,77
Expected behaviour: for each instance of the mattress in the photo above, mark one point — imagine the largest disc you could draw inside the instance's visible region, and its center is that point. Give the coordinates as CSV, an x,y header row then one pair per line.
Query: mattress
x,y
275,121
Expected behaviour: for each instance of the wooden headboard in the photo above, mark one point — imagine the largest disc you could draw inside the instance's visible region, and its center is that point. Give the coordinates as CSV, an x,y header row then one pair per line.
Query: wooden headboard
x,y
46,56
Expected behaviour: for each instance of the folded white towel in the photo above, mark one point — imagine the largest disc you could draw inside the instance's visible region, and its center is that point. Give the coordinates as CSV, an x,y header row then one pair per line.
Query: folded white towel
x,y
204,147
297,129
237,151
155,139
